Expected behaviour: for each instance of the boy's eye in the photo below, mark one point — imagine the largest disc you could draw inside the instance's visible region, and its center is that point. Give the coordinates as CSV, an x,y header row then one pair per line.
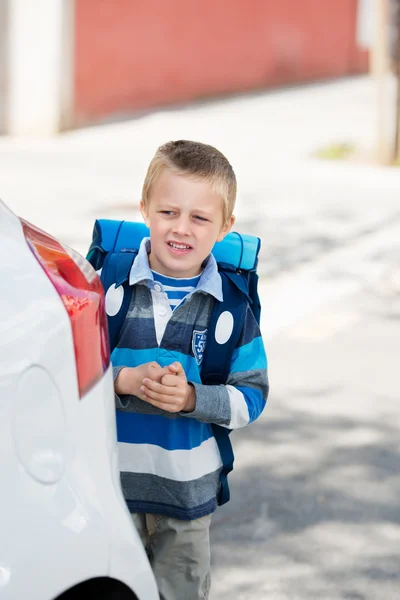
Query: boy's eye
x,y
167,212
199,218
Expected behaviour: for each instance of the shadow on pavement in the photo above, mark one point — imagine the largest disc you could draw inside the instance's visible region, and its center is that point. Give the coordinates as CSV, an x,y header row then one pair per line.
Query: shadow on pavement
x,y
315,493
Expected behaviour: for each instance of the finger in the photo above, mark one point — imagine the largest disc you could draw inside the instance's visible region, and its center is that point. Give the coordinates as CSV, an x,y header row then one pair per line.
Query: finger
x,y
165,406
156,372
158,398
170,380
159,388
176,368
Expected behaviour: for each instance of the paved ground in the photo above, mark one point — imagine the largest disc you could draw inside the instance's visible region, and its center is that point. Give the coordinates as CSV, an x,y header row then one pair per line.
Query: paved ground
x,y
315,494
315,512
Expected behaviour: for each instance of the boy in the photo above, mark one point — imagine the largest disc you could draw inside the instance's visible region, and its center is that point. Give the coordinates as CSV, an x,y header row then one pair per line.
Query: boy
x,y
169,459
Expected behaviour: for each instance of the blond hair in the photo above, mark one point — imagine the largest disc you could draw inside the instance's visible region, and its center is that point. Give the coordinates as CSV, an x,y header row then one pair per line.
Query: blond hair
x,y
198,161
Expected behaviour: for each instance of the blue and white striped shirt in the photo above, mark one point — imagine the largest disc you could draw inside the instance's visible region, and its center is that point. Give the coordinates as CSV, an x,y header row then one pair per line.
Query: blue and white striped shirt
x,y
176,289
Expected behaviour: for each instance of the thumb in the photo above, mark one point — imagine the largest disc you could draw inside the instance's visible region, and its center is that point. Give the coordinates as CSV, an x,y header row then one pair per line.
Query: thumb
x,y
176,368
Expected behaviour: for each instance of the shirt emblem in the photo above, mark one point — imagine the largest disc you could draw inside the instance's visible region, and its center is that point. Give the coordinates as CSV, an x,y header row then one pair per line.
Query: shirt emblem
x,y
199,344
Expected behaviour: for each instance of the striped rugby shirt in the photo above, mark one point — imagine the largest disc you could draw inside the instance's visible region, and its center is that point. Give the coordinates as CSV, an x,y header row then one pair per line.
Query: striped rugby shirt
x,y
170,463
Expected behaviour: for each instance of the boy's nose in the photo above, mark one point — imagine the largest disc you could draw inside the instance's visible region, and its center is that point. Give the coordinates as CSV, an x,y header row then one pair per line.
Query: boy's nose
x,y
182,226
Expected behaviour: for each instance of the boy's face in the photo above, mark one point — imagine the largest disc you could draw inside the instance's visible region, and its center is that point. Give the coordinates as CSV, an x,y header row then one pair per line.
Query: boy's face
x,y
185,218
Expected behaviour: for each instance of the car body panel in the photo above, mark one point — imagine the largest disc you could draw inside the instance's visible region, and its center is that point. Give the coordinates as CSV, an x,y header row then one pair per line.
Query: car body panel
x,y
63,519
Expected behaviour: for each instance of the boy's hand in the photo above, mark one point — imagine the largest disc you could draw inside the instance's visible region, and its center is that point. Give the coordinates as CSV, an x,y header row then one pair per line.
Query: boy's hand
x,y
130,379
173,393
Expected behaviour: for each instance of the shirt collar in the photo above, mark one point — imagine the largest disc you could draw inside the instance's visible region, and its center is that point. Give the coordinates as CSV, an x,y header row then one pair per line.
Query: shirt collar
x,y
210,280
140,270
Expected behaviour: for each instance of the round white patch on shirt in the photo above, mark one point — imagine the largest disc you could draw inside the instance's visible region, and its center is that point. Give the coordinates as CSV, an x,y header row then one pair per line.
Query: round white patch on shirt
x,y
114,299
224,328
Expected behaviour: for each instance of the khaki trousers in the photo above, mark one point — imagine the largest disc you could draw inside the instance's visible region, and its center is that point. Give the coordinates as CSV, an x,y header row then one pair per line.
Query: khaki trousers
x,y
179,553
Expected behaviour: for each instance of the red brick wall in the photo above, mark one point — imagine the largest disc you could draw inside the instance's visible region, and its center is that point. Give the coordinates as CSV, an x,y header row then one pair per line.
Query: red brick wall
x,y
133,54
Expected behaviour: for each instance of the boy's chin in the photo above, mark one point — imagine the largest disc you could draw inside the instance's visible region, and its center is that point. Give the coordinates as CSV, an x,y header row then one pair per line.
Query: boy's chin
x,y
180,264
185,271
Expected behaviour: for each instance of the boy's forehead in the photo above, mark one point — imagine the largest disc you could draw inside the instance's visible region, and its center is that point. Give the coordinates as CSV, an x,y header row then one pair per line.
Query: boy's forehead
x,y
177,188
168,178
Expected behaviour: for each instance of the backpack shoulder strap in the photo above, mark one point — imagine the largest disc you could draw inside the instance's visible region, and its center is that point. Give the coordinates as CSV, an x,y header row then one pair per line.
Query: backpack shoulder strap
x,y
226,451
217,361
218,353
237,258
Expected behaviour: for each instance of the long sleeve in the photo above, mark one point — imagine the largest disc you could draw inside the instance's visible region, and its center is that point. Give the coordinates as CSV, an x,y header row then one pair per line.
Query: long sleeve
x,y
242,399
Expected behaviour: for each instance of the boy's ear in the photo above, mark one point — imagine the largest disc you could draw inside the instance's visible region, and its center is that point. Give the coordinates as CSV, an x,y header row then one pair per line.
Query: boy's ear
x,y
144,212
226,228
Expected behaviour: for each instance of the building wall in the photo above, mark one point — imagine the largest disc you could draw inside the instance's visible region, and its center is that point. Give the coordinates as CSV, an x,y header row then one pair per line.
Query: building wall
x,y
135,54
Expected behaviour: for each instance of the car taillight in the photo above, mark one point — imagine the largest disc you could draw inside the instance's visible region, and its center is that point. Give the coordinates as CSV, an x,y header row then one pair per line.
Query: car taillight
x,y
82,294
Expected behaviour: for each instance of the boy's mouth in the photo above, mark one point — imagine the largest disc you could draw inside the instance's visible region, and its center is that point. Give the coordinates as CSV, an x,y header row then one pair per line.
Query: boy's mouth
x,y
178,247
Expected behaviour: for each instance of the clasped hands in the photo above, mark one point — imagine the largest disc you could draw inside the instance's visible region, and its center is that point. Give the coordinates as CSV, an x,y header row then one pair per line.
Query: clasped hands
x,y
166,388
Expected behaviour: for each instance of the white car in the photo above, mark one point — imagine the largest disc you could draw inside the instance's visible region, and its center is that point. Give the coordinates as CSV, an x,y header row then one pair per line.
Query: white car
x,y
65,530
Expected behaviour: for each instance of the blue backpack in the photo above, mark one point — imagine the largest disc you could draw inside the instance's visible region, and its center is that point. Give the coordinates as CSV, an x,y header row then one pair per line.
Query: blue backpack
x,y
114,247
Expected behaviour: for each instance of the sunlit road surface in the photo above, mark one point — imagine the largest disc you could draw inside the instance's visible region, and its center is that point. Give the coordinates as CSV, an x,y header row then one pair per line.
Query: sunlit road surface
x,y
315,494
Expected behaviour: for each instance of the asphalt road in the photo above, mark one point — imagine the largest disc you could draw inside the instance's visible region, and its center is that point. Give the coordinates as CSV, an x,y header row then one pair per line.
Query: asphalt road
x,y
315,494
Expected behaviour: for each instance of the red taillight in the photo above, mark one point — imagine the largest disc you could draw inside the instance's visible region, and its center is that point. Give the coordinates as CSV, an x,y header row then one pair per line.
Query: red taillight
x,y
81,291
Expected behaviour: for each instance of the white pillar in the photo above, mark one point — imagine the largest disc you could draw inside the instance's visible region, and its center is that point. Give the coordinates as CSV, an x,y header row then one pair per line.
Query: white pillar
x,y
365,23
385,83
40,66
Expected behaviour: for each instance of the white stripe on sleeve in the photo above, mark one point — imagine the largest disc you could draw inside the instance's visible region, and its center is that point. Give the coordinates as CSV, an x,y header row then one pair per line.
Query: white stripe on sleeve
x,y
239,411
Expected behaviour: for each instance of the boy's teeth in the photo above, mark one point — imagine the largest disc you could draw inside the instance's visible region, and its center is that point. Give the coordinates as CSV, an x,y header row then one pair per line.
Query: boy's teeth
x,y
179,246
